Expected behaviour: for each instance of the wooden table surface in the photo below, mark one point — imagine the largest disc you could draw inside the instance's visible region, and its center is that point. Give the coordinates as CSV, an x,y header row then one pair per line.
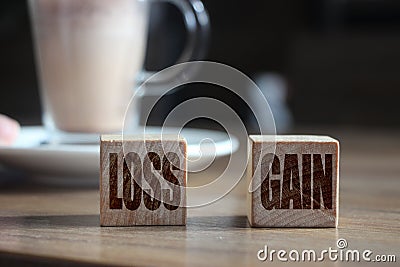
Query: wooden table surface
x,y
55,225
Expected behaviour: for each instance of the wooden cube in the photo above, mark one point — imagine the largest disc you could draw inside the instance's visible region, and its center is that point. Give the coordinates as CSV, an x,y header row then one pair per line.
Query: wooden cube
x,y
293,181
142,180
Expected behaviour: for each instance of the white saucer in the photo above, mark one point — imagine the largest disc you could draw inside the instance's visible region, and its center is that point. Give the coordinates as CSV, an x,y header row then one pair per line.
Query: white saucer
x,y
71,163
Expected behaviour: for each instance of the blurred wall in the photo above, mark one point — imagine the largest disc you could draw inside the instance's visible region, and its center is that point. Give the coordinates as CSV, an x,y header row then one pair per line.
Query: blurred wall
x,y
340,58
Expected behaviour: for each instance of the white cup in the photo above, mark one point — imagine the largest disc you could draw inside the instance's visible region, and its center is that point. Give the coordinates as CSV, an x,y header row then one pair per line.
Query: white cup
x,y
89,54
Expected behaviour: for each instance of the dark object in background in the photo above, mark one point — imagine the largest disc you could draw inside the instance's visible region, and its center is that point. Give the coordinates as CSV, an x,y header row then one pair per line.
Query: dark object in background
x,y
19,95
345,64
341,58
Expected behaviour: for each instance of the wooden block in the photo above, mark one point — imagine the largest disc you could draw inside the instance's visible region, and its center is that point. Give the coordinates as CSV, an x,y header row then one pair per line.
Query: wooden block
x,y
148,185
293,181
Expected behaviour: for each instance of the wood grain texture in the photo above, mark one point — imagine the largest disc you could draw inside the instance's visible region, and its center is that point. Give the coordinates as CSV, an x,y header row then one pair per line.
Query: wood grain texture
x,y
293,181
142,180
60,225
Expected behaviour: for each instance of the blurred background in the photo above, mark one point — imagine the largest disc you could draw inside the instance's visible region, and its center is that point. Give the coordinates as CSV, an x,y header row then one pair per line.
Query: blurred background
x,y
319,62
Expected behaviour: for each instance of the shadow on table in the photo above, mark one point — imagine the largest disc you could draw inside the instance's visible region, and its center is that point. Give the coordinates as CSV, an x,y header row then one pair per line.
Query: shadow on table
x,y
46,221
18,182
217,222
